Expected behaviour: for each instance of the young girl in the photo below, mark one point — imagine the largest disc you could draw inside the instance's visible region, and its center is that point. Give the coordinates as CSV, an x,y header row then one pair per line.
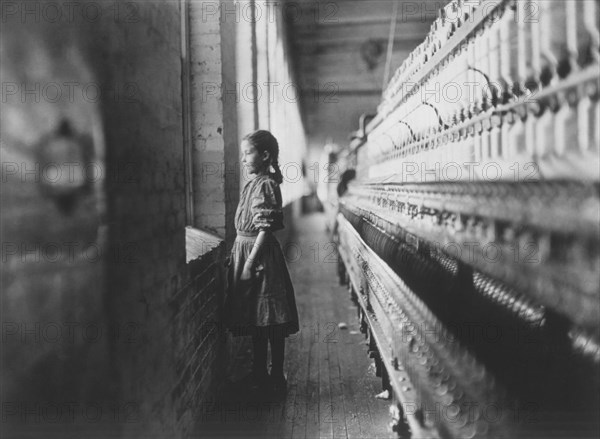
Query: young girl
x,y
261,300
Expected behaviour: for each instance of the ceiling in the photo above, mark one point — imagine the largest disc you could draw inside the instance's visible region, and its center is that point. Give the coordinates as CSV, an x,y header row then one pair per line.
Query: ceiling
x,y
340,49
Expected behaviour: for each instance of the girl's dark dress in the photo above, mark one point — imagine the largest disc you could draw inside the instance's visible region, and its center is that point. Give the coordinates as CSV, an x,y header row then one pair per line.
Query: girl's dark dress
x,y
266,302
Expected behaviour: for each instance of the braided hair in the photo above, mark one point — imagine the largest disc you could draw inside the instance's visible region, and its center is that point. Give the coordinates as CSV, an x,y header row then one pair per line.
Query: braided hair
x,y
263,140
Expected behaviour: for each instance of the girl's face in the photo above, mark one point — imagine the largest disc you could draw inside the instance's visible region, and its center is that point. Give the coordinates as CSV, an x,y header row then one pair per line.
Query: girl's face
x,y
254,162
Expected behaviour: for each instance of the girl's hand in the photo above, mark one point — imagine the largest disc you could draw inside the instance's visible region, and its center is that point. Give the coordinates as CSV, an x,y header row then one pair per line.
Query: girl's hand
x,y
247,273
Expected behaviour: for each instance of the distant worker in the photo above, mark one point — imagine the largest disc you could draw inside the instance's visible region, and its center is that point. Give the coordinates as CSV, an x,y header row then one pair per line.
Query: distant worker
x,y
342,187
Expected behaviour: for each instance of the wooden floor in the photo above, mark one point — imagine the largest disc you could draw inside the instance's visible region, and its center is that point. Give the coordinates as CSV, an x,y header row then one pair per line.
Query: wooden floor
x,y
331,381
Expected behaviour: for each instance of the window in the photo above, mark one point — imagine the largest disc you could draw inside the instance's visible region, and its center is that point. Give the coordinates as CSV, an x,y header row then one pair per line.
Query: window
x,y
186,108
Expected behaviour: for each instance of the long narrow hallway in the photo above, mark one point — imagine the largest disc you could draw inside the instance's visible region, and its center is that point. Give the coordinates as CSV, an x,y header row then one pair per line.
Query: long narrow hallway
x,y
331,380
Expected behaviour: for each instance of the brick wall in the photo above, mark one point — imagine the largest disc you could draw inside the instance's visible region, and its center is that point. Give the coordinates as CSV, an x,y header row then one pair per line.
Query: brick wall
x,y
198,339
215,155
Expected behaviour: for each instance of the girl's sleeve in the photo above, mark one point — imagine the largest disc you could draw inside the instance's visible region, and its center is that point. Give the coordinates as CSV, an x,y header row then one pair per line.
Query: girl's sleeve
x,y
266,209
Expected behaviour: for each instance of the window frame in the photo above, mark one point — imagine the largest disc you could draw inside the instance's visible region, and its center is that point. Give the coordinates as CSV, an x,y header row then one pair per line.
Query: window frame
x,y
186,109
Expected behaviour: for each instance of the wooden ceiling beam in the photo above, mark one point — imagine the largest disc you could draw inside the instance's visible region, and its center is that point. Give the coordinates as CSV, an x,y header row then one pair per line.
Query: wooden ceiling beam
x,y
324,45
403,30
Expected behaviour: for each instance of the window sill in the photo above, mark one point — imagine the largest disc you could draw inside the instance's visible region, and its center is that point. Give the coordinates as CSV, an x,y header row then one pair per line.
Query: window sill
x,y
199,243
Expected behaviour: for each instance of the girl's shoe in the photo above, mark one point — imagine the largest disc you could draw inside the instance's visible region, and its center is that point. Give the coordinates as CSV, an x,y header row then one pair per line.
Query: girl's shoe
x,y
255,381
261,381
279,383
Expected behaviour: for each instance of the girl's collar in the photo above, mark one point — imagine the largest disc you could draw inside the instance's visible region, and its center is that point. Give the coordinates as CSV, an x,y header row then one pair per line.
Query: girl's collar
x,y
259,176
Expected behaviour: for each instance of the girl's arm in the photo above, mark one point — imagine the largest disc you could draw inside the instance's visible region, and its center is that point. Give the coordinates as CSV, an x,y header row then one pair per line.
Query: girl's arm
x,y
258,244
